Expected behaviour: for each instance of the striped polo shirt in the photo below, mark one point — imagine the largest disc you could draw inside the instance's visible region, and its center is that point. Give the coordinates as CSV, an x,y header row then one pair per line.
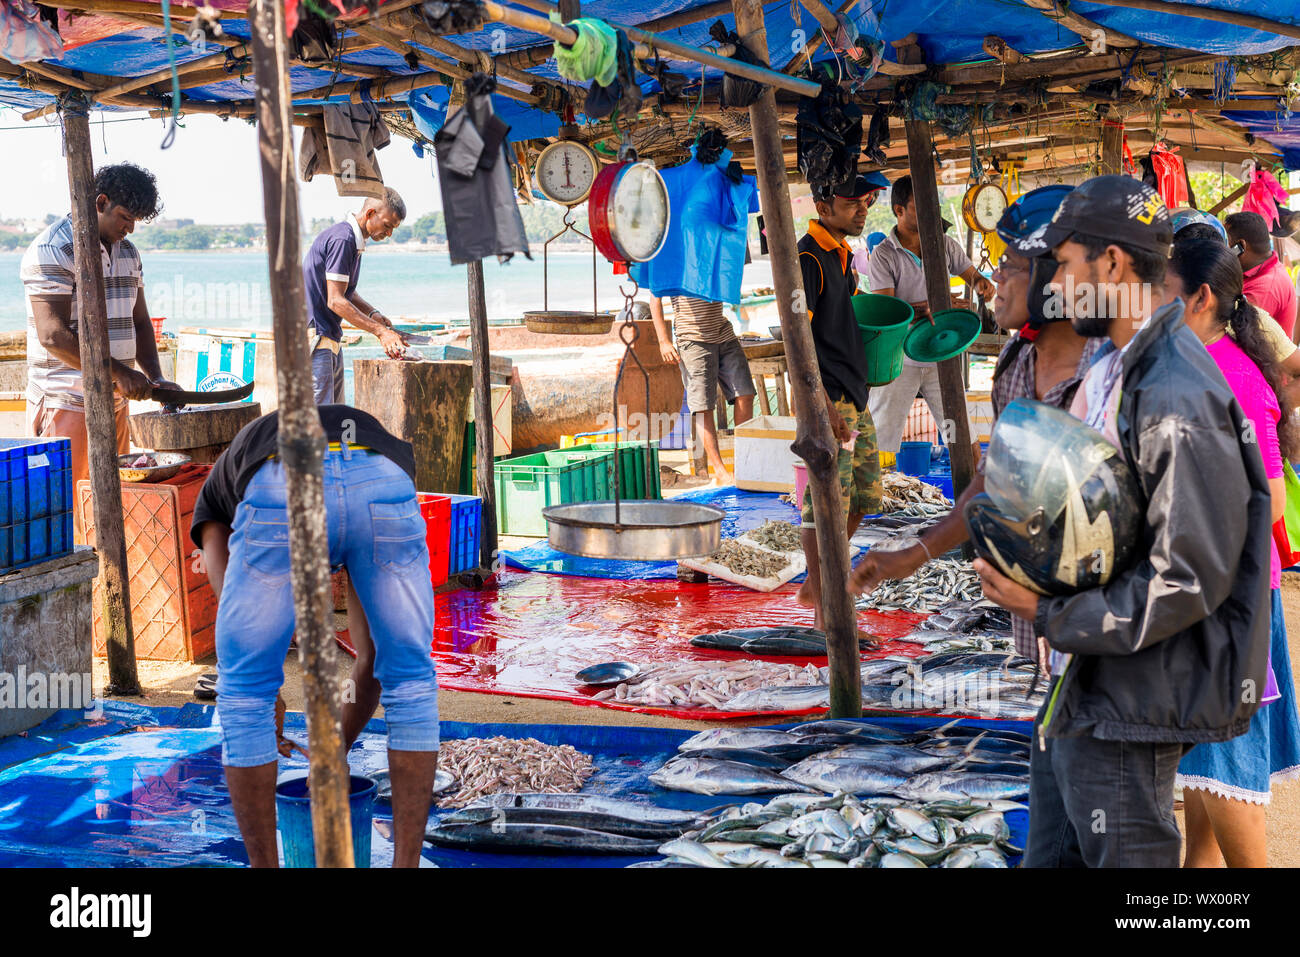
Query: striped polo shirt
x,y
48,272
698,320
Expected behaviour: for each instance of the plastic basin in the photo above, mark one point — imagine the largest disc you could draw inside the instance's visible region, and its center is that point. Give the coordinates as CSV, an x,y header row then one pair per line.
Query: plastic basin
x,y
913,459
883,322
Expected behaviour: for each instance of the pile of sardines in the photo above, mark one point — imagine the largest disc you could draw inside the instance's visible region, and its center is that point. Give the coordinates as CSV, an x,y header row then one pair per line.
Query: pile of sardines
x,y
798,830
950,763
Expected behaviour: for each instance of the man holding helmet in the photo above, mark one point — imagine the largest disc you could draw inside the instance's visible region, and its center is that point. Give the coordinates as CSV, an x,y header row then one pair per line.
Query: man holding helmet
x,y
1046,360
1171,649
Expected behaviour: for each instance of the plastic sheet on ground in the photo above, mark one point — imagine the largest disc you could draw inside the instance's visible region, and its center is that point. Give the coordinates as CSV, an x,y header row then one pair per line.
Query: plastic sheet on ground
x,y
156,795
744,510
533,633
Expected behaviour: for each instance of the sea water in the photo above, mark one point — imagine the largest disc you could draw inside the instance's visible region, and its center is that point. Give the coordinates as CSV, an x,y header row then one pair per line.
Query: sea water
x,y
230,289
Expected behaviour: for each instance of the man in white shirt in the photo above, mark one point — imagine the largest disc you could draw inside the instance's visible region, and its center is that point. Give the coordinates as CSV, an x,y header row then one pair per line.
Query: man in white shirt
x,y
896,270
125,195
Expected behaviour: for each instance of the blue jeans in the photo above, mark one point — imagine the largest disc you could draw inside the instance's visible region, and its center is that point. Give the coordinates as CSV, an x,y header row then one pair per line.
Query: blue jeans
x,y
327,376
377,533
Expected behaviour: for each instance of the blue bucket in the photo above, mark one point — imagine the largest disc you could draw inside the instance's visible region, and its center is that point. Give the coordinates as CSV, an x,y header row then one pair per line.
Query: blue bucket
x,y
913,459
293,818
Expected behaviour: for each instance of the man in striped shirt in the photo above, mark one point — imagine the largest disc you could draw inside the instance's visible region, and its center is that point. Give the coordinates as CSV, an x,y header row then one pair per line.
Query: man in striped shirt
x,y
709,353
125,195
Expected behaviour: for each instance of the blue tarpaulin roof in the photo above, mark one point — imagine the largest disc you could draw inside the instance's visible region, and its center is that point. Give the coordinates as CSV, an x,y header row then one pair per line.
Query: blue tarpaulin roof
x,y
949,31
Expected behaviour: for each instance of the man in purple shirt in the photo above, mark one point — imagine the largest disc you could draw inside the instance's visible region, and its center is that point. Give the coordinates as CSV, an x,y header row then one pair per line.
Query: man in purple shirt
x,y
329,276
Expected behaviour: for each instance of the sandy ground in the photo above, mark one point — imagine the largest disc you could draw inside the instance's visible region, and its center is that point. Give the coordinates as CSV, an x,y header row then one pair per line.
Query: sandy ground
x,y
167,683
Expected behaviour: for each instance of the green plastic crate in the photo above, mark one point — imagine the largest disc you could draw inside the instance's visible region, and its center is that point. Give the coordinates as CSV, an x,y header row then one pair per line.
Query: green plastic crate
x,y
632,457
530,483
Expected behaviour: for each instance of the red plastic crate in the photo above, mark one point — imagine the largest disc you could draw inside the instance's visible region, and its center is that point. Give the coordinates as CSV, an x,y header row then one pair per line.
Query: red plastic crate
x,y
173,609
436,510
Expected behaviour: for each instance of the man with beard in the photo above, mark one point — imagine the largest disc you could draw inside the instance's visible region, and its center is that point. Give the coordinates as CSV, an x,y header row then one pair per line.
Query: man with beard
x,y
1045,360
1171,650
829,283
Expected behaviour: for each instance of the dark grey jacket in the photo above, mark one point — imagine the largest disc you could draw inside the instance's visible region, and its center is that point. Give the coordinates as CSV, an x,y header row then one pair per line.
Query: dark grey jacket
x,y
1175,648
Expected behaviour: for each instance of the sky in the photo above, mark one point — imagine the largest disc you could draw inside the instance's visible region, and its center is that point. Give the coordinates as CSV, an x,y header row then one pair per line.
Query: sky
x,y
210,174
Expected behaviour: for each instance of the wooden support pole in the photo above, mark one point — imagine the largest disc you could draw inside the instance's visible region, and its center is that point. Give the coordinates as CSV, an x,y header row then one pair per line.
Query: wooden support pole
x,y
97,386
1112,146
1228,200
814,442
934,259
1089,31
301,442
1213,14
484,434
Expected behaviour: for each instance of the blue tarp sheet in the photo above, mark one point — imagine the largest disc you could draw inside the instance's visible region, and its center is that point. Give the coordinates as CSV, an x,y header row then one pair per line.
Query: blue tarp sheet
x,y
1279,128
949,32
745,510
102,795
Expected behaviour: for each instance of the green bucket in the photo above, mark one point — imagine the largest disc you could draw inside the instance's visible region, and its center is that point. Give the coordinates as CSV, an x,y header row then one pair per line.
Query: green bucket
x,y
883,322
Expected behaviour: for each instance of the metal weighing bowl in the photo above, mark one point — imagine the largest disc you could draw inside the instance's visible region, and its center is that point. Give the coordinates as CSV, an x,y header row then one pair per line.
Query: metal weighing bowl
x,y
169,463
648,530
775,331
609,673
569,323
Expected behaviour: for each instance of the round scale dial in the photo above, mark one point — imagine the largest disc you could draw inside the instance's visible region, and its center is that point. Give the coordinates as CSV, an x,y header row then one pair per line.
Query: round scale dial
x,y
565,171
983,207
629,212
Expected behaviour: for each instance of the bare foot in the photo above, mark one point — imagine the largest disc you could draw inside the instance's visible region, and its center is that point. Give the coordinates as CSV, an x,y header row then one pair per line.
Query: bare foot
x,y
806,598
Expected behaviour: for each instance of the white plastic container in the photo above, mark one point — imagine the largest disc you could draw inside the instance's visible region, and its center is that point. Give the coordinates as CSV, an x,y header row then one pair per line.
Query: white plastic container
x,y
764,462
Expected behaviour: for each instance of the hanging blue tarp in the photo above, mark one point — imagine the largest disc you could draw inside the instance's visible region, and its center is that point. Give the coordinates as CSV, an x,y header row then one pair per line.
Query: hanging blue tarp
x,y
143,787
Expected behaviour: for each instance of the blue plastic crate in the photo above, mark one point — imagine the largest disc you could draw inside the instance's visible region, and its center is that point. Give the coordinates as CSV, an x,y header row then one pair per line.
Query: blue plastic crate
x,y
466,532
940,479
35,479
35,541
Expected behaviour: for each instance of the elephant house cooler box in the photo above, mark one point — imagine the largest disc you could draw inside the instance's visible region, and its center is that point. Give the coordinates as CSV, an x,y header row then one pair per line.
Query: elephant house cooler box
x,y
173,608
764,462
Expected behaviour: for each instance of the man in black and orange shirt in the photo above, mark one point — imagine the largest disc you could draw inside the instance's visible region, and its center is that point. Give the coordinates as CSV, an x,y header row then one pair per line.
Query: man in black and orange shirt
x,y
829,282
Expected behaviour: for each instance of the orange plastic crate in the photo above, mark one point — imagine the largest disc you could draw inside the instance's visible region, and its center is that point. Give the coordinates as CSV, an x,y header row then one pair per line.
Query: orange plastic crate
x,y
173,608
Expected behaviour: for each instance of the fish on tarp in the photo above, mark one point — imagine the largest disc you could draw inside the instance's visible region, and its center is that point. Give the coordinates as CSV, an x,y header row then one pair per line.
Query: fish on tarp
x,y
736,738
442,780
971,784
594,803
566,817
715,776
786,698
846,775
899,757
786,646
732,639
496,835
752,756
859,730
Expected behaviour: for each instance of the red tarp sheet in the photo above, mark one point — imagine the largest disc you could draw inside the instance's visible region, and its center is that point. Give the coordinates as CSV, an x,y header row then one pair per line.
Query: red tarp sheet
x,y
531,634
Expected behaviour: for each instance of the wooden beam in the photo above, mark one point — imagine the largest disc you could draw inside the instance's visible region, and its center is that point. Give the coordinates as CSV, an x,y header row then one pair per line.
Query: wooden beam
x,y
100,402
398,45
1213,14
1089,31
1112,146
301,442
814,442
934,259
411,25
1228,200
1002,51
484,436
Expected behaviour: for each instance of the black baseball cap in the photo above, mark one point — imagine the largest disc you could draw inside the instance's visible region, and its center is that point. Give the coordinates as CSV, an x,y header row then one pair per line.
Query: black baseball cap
x,y
852,188
1113,209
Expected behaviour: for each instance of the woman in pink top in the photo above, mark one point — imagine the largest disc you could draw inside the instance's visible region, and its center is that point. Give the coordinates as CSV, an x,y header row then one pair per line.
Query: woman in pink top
x,y
1226,785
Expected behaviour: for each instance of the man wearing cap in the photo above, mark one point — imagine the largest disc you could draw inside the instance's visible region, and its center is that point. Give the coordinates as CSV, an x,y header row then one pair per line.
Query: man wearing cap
x,y
1045,360
1172,650
829,283
896,270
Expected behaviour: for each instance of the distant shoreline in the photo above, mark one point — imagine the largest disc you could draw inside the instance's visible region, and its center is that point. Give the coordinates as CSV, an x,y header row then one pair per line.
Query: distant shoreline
x,y
376,248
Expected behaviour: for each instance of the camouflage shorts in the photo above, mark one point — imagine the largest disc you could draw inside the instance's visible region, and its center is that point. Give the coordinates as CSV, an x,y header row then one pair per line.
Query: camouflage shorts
x,y
860,487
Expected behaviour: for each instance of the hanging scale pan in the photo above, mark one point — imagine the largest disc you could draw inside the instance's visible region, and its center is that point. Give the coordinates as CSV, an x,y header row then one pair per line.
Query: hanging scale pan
x,y
643,530
950,333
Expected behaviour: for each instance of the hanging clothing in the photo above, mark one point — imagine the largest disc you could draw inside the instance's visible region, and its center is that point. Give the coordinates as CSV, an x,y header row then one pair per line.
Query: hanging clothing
x,y
703,254
24,36
478,196
345,139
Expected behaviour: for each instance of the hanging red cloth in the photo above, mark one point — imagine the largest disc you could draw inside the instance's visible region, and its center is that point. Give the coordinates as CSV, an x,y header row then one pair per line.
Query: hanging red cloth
x,y
1171,175
1283,543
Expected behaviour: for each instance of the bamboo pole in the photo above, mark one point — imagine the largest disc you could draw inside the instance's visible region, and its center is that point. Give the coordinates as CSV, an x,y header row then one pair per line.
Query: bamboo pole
x,y
934,258
1088,30
814,442
301,442
1213,14
484,435
97,386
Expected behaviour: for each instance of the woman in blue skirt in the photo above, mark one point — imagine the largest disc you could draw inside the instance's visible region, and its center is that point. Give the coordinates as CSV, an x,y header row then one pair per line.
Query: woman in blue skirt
x,y
1226,784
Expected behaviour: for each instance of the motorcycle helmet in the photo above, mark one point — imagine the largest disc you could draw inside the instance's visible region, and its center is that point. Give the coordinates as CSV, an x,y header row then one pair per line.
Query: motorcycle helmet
x,y
1060,511
1181,218
1020,228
